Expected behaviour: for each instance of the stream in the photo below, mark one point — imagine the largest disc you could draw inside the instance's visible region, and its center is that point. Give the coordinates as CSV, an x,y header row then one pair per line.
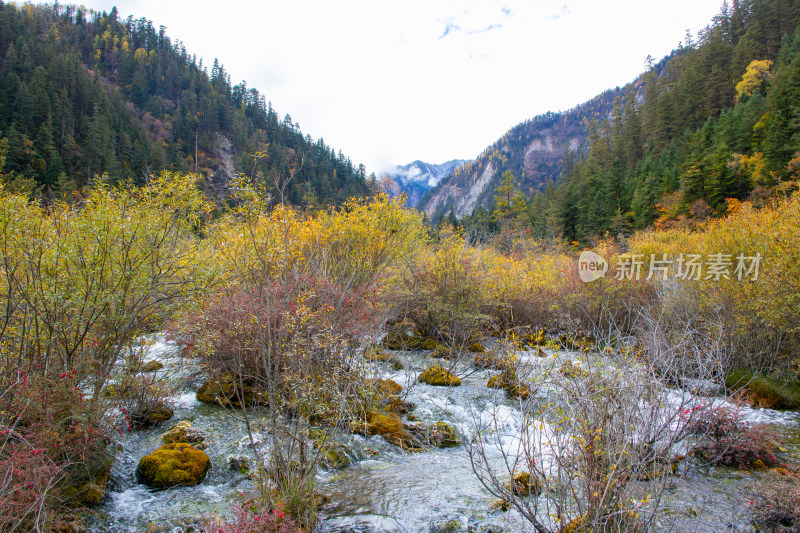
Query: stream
x,y
385,489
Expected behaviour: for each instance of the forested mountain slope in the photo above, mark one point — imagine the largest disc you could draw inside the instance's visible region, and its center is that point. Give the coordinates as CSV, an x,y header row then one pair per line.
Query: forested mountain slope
x,y
714,120
717,120
84,93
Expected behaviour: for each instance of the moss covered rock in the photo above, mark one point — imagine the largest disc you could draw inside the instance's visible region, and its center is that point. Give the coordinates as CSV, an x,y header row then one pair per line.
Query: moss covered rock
x,y
428,344
390,427
407,337
451,526
173,464
184,432
386,386
402,337
152,366
376,354
442,435
524,484
150,417
476,347
395,404
443,352
239,463
334,457
227,392
509,382
496,382
89,492
436,375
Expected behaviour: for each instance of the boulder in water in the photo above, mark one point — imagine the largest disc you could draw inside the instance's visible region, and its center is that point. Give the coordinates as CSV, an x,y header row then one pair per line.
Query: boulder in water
x,y
436,375
173,464
184,432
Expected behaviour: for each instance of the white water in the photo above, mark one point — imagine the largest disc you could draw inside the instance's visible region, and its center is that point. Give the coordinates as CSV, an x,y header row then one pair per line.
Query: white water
x,y
387,490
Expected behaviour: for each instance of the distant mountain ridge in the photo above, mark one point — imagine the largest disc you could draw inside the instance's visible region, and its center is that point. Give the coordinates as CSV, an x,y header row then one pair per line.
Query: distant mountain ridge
x,y
536,151
417,178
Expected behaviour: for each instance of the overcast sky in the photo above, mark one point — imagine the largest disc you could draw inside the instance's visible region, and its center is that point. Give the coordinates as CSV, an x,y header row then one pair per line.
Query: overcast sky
x,y
391,82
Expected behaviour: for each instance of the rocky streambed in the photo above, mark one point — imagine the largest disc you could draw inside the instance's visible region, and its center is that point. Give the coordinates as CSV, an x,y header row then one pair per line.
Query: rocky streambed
x,y
375,486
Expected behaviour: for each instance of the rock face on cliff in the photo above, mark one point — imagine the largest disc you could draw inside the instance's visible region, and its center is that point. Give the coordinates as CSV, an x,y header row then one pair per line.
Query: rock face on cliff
x,y
535,151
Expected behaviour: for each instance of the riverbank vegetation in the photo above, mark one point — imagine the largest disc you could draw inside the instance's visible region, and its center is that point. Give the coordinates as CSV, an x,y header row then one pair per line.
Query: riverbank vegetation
x,y
279,305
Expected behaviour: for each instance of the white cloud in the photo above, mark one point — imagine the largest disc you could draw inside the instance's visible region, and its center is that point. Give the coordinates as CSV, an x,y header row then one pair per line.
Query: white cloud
x,y
390,82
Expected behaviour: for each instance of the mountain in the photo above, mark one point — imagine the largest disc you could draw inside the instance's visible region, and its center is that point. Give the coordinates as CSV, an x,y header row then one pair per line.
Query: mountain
x,y
536,151
417,178
84,93
712,124
714,121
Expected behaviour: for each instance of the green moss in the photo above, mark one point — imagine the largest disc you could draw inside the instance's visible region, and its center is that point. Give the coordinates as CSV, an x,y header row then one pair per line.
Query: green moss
x,y
173,464
484,360
183,432
429,344
150,417
334,457
239,463
496,382
406,337
509,382
765,392
152,366
443,352
89,492
525,485
402,337
442,435
476,347
738,379
389,386
438,376
376,354
390,427
227,393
